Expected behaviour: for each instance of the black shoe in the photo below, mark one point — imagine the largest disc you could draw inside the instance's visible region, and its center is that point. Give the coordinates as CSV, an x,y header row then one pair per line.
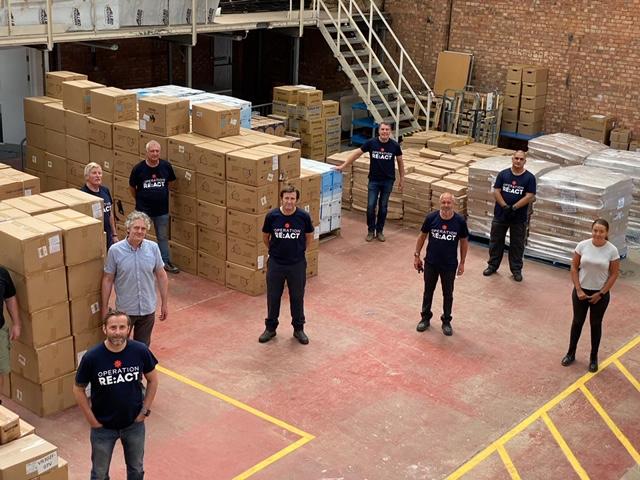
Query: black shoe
x,y
301,336
593,366
171,268
267,335
446,329
488,271
424,323
517,277
568,360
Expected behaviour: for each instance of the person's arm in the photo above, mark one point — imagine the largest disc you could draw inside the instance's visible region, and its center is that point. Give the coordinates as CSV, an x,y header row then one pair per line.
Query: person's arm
x,y
107,287
163,286
524,201
497,194
350,159
614,271
14,313
150,395
575,278
464,248
265,238
417,261
309,238
83,403
400,171
112,221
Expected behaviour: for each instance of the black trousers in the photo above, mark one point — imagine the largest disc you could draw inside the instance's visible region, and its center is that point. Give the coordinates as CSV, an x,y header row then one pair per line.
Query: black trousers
x,y
518,232
596,314
447,278
296,278
142,327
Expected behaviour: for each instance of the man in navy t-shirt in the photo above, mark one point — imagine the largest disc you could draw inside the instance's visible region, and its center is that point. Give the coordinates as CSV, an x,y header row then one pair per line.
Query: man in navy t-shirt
x,y
149,185
93,185
514,189
445,230
286,232
118,408
383,153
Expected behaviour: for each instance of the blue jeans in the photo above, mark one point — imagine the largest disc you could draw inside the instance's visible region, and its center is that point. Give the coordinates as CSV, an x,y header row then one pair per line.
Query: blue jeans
x,y
102,442
161,224
379,192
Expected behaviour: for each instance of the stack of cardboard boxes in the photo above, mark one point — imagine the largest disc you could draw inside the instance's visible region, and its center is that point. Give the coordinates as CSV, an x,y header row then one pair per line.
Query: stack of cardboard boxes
x,y
347,176
332,126
525,99
620,138
14,183
597,127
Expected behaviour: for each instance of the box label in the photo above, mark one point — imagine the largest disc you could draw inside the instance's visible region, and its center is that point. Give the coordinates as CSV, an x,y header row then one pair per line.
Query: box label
x,y
44,464
54,244
96,209
42,252
274,162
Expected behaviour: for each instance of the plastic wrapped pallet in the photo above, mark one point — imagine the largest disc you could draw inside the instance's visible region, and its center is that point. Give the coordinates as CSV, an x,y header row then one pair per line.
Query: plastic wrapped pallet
x,y
563,148
569,199
68,15
627,163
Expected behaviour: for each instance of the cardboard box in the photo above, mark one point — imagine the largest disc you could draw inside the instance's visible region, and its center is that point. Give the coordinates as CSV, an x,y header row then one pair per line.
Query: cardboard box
x,y
532,102
102,156
513,87
601,123
76,124
10,188
85,340
509,125
55,143
181,149
184,257
510,113
54,184
619,145
43,399
123,162
34,108
244,225
183,207
9,425
595,135
54,80
7,213
311,126
330,108
146,137
620,135
252,167
100,132
531,116
211,268
77,149
183,232
26,458
246,280
54,117
250,199
246,253
286,94
36,135
245,141
312,262
211,216
164,116
511,101
525,128
126,136
76,95
514,72
29,184
25,428
55,166
75,173
310,186
38,290
212,243
210,158
34,159
185,183
44,363
288,160
532,74
84,278
30,245
309,98
215,120
305,112
85,313
79,201
113,104
82,235
210,189
121,189
59,473
534,89
45,326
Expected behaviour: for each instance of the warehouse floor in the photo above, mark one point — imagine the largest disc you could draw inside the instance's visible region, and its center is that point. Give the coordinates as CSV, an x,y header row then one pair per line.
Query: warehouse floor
x,y
369,397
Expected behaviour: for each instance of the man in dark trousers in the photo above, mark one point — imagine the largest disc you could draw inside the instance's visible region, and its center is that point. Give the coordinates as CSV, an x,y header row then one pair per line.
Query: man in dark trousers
x,y
445,230
149,185
286,232
7,335
118,407
514,189
383,153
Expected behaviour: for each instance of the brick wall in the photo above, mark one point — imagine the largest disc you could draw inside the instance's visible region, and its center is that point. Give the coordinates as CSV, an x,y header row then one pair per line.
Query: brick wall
x,y
592,49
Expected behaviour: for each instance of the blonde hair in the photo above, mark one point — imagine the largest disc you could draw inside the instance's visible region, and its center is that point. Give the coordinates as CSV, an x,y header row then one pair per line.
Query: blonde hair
x,y
90,166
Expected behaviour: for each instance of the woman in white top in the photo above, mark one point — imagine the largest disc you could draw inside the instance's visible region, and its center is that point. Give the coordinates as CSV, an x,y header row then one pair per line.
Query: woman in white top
x,y
594,270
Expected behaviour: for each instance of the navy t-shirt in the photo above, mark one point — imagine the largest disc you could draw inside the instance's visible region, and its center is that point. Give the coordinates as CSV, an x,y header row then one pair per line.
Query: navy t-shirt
x,y
513,188
383,158
105,195
444,236
288,241
7,290
152,187
116,392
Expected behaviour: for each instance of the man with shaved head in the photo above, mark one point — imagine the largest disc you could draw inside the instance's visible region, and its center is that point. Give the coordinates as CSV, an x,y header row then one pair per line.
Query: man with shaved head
x,y
445,231
149,185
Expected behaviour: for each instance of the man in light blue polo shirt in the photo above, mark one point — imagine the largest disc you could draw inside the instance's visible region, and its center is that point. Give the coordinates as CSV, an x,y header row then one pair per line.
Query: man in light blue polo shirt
x,y
134,265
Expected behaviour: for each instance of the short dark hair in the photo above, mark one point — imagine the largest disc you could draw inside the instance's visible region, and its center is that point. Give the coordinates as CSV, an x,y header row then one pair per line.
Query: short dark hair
x,y
384,123
116,313
290,189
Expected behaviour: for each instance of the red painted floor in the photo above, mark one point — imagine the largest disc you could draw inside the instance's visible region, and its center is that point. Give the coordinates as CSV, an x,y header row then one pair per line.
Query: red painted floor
x,y
382,401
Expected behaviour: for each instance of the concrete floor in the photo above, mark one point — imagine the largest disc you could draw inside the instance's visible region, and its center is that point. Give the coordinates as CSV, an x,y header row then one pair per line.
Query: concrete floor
x,y
369,397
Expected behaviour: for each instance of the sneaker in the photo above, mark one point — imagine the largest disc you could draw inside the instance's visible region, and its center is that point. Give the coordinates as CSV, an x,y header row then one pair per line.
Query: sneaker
x,y
568,360
488,271
370,236
446,329
381,237
517,277
301,336
267,335
171,268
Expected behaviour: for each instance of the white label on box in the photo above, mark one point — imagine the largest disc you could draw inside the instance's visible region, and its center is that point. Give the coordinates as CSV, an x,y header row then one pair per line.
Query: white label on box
x,y
199,114
34,158
187,175
270,177
146,117
42,252
18,394
22,360
233,121
44,464
260,262
143,124
96,209
54,244
620,202
107,164
263,201
95,307
181,148
316,232
27,192
49,164
274,162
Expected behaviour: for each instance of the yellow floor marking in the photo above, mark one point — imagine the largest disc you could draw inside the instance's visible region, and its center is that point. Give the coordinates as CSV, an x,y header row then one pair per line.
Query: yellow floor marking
x,y
491,448
506,459
305,437
627,374
564,447
610,423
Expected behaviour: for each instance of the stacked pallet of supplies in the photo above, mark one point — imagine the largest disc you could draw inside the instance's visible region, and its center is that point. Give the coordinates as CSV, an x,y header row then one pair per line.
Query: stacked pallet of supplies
x,y
620,139
445,142
627,163
419,139
347,176
330,194
525,99
332,126
563,148
270,125
416,197
21,450
569,199
597,127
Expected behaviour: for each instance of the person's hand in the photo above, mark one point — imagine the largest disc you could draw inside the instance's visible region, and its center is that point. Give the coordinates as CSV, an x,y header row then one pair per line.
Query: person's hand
x,y
338,167
400,185
581,295
140,418
460,269
164,312
114,237
595,298
417,264
15,332
95,424
507,209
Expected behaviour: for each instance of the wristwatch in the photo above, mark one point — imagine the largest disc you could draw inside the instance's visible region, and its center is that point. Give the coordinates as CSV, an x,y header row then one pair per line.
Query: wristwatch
x,y
147,412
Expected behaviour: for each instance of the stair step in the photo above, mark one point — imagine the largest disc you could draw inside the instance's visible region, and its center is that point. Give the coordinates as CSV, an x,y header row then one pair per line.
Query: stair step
x,y
358,53
358,68
375,78
343,28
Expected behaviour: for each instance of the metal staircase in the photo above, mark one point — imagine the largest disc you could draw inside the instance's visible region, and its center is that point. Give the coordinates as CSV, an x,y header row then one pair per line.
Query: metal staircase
x,y
378,76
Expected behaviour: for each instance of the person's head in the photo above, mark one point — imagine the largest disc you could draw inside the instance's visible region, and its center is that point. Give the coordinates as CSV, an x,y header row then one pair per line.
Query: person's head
x,y
518,159
289,196
137,224
447,203
93,174
600,230
153,151
116,326
384,130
